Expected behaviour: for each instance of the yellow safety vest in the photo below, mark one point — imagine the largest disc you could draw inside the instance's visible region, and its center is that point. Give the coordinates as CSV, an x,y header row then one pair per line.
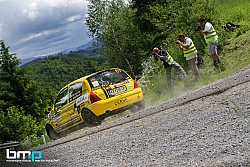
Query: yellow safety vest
x,y
212,35
190,51
168,59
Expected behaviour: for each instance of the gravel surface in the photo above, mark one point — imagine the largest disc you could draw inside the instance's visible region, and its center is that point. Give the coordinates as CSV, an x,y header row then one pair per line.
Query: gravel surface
x,y
201,128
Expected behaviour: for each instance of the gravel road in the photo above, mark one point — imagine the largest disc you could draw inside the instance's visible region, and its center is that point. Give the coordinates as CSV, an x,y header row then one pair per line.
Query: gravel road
x,y
201,128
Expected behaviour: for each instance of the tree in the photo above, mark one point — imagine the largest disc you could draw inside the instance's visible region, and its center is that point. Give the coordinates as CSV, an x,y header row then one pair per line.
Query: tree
x,y
111,22
165,19
18,87
16,125
9,73
22,101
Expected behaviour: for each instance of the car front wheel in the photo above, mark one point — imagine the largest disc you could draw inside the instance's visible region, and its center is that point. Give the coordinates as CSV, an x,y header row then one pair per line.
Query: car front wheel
x,y
52,133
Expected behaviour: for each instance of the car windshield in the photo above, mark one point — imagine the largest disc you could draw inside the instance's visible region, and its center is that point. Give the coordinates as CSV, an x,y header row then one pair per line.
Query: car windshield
x,y
108,77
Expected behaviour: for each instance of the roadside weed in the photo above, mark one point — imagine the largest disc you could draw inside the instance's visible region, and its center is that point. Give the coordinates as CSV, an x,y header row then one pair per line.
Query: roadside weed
x,y
237,110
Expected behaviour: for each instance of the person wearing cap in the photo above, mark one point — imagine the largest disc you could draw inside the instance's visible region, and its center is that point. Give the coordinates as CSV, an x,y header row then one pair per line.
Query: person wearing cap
x,y
211,39
187,46
168,62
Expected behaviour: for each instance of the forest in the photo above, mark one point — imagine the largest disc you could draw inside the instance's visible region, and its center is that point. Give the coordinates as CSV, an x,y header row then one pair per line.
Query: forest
x,y
126,33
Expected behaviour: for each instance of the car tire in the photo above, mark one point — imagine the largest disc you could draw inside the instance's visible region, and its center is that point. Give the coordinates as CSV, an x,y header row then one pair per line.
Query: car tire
x,y
52,133
138,106
90,118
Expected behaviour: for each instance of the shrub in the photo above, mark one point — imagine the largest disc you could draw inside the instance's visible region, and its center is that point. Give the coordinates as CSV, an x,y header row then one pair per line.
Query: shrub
x,y
15,125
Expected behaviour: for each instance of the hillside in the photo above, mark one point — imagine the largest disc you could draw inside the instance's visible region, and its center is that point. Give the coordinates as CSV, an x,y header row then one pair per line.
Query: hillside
x,y
58,70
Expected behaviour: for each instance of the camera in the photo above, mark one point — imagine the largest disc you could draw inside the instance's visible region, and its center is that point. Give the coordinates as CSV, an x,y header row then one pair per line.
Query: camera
x,y
198,28
154,53
177,42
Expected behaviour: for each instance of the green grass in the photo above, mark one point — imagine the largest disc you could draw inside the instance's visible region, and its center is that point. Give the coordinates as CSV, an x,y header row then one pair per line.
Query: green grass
x,y
233,11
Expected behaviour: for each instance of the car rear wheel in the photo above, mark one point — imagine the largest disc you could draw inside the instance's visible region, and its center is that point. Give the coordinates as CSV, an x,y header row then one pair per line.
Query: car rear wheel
x,y
52,133
138,106
90,118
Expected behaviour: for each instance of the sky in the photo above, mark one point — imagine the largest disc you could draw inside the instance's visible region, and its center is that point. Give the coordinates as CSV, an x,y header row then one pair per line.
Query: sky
x,y
34,28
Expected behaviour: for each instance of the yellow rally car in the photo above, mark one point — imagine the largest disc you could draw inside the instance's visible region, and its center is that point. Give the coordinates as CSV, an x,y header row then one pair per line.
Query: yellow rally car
x,y
91,99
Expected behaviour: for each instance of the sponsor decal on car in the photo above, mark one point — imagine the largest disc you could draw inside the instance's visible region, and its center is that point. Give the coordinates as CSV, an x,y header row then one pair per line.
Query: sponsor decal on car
x,y
90,106
56,119
121,101
81,99
73,116
130,86
118,90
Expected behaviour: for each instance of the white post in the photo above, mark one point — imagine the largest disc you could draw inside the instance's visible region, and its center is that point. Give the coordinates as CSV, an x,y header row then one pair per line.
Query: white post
x,y
1,59
44,141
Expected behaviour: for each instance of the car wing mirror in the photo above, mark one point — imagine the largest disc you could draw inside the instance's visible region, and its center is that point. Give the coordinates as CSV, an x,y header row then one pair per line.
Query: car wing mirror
x,y
49,109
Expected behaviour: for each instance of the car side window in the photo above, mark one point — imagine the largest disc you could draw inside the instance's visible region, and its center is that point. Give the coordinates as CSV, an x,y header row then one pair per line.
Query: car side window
x,y
75,91
62,98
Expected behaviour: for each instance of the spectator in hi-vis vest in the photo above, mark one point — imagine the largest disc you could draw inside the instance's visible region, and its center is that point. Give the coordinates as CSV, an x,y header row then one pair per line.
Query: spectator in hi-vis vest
x,y
168,62
211,39
187,46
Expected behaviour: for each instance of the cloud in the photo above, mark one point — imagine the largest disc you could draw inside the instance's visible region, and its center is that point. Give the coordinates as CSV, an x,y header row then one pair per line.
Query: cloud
x,y
39,27
31,11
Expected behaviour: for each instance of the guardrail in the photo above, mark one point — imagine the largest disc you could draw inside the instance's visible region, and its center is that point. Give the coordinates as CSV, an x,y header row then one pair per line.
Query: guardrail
x,y
9,145
6,146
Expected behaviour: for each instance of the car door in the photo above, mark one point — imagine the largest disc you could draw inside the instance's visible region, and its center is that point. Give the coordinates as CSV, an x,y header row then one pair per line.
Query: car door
x,y
62,108
75,91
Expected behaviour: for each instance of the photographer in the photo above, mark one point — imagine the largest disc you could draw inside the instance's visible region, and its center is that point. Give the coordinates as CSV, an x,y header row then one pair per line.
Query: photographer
x,y
211,39
187,46
168,62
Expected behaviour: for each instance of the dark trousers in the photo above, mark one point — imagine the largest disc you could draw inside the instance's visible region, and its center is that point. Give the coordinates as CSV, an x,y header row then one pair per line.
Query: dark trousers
x,y
168,72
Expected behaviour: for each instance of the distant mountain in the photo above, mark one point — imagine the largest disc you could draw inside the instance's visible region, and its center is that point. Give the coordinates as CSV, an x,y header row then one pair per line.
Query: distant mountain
x,y
66,51
88,48
87,45
24,61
